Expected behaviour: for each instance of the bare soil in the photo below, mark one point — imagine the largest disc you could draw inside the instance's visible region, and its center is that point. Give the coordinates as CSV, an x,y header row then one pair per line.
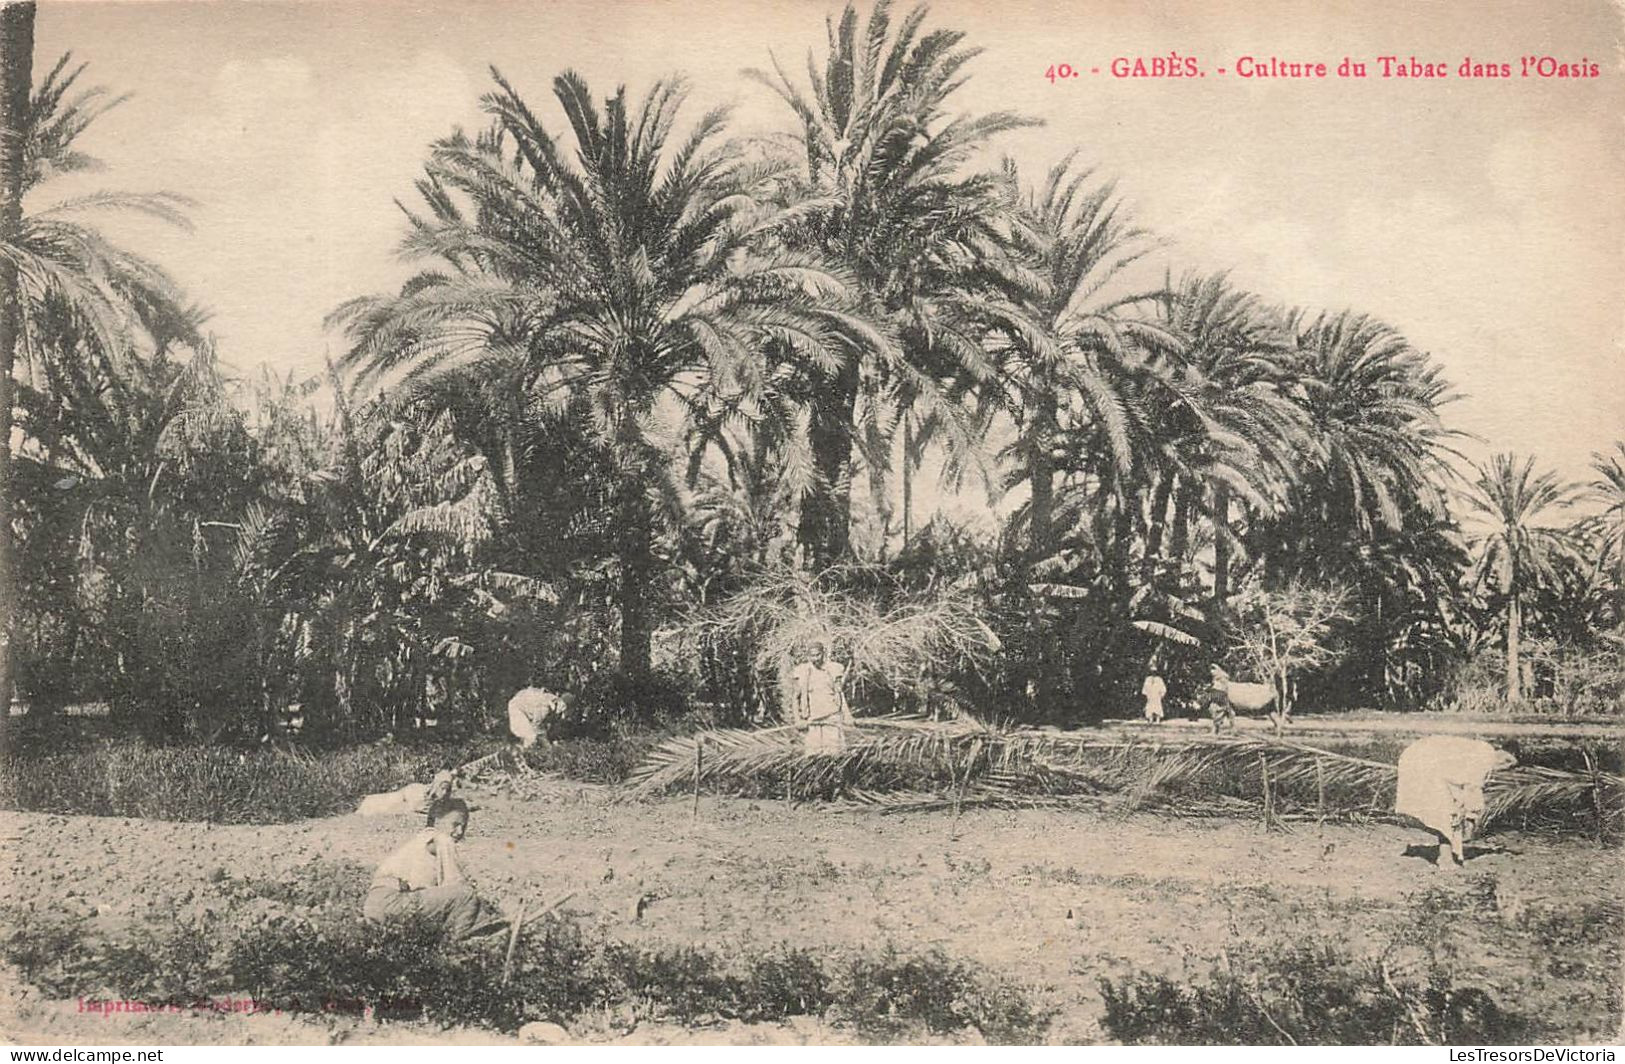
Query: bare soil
x,y
1055,900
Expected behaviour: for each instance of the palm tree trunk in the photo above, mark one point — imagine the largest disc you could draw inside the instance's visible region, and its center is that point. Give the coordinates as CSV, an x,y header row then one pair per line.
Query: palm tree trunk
x,y
510,467
1514,677
16,82
1221,552
824,528
637,571
908,480
1180,542
1041,474
1158,527
1123,521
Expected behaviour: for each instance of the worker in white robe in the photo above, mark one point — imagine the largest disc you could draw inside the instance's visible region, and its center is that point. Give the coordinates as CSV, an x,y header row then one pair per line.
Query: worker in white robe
x,y
528,713
423,876
820,701
1441,786
1154,689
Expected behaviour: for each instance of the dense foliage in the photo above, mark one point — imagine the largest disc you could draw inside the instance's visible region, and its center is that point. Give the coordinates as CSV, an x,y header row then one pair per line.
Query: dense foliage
x,y
643,375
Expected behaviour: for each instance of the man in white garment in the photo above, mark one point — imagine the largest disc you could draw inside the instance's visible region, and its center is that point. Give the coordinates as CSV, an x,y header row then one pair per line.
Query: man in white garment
x,y
820,702
528,713
1154,689
1441,787
423,876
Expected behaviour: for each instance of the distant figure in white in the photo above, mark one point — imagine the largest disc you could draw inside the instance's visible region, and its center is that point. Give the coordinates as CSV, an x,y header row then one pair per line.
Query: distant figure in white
x,y
820,702
412,798
1154,689
528,712
1441,786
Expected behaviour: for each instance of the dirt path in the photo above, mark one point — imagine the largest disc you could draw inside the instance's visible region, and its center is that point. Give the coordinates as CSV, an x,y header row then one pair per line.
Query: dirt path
x,y
1407,724
1054,900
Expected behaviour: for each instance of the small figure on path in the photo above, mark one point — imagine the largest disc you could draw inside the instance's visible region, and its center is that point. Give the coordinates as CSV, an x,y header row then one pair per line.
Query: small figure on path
x,y
424,876
1441,786
1219,709
1154,689
820,702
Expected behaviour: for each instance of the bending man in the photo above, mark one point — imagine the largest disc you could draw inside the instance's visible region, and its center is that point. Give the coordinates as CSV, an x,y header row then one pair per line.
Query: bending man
x,y
1441,787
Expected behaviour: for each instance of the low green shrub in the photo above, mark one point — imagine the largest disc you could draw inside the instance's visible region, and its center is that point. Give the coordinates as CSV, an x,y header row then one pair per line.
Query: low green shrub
x,y
594,760
270,785
882,995
325,960
131,778
1305,995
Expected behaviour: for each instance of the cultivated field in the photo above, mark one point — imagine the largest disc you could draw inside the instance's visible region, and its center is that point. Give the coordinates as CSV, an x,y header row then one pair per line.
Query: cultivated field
x,y
1054,901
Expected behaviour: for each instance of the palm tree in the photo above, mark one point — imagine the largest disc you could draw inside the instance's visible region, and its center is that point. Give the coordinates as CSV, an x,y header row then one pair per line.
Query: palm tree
x,y
878,188
631,283
16,78
1373,406
1069,350
1608,489
66,293
1515,541
1229,427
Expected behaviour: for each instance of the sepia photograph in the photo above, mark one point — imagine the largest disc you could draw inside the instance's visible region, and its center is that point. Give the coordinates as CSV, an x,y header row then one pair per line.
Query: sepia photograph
x,y
812,523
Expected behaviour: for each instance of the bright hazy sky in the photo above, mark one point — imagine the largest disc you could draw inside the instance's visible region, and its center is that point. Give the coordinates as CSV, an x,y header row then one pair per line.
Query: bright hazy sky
x,y
1484,218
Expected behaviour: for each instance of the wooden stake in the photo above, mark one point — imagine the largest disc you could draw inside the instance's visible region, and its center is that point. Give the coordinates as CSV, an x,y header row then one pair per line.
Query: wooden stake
x,y
550,906
513,940
521,921
1596,795
699,746
962,784
1320,791
1264,774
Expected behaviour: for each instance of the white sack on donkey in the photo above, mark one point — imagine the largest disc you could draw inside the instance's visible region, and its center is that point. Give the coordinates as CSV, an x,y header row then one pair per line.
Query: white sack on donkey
x,y
1225,696
1251,697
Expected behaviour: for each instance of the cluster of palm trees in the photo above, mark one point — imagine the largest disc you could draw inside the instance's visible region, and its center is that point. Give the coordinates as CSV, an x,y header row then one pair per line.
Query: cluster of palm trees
x,y
641,365
1533,553
827,304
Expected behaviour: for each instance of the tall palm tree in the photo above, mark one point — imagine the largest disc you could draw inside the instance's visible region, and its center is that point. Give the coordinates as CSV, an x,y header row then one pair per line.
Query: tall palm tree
x,y
16,78
1230,428
1607,488
879,187
1073,351
66,293
1373,404
1516,540
630,283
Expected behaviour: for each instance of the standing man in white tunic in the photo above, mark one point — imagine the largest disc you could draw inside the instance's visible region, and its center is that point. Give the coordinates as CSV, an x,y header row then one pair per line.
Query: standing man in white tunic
x,y
820,702
1154,689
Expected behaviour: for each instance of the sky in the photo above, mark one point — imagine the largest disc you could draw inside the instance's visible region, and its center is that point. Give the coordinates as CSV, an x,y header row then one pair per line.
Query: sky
x,y
1484,218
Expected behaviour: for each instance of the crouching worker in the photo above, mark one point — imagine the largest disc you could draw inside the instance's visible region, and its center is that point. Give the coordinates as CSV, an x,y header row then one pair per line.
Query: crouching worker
x,y
1441,787
423,876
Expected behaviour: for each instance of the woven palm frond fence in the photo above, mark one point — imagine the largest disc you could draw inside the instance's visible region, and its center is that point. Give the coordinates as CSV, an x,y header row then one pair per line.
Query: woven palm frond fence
x,y
899,765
